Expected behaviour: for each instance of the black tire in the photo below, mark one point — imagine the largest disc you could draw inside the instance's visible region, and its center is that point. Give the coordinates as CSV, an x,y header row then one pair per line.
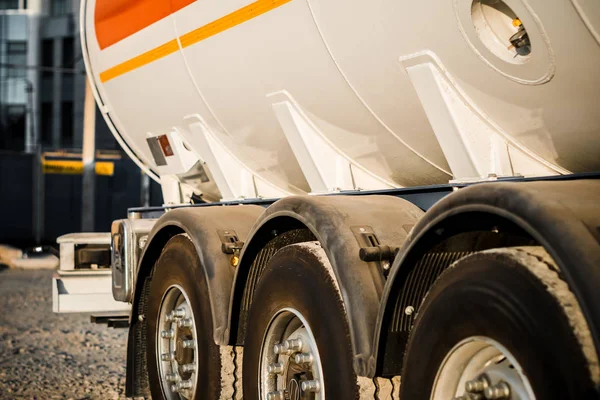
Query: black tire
x,y
296,278
179,264
498,294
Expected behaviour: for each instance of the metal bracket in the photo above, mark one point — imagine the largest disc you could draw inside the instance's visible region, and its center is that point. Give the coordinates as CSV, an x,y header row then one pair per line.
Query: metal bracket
x,y
231,175
378,253
326,167
230,243
371,250
111,320
474,145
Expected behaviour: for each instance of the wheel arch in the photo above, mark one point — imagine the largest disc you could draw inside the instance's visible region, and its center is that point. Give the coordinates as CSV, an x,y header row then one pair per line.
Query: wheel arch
x,y
331,220
202,226
559,216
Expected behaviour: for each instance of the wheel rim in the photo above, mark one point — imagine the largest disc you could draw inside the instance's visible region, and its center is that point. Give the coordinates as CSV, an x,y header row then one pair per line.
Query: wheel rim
x,y
290,366
480,368
176,345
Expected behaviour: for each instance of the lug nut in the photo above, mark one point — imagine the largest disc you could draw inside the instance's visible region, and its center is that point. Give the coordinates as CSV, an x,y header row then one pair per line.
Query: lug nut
x,y
175,314
185,323
288,347
184,385
172,377
167,356
278,395
275,368
311,386
498,392
477,385
293,345
167,334
188,344
304,358
188,368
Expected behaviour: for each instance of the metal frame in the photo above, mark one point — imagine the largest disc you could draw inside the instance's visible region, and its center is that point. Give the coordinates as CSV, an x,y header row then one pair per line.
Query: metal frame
x,y
423,197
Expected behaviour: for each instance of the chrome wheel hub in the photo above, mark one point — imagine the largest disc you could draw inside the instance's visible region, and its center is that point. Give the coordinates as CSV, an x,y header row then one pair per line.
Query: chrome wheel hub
x,y
290,366
480,368
177,345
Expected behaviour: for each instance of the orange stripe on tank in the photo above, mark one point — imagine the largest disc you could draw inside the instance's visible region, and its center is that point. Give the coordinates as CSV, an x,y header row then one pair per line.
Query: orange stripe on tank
x,y
117,19
252,10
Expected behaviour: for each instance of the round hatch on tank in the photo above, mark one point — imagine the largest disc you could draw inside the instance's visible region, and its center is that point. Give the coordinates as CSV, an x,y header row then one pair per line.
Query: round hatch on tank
x,y
508,36
501,30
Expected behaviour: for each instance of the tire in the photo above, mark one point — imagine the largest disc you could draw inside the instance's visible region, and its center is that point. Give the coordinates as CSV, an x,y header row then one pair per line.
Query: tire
x,y
296,278
179,265
515,298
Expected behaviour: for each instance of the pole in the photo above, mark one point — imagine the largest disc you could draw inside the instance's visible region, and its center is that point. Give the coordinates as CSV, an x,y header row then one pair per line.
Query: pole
x,y
145,192
88,195
32,135
38,173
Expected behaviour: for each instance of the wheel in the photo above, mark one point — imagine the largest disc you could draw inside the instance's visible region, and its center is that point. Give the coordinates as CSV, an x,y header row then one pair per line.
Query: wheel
x,y
495,326
298,344
183,360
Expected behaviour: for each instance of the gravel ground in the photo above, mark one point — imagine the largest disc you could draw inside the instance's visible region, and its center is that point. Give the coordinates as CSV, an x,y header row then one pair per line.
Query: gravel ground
x,y
54,356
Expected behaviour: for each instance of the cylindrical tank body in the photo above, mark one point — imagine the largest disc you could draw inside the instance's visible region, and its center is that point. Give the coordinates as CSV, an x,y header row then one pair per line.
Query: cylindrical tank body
x,y
243,98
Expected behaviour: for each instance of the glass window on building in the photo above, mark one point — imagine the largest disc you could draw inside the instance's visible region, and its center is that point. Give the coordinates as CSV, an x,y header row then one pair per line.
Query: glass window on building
x,y
16,54
12,127
46,124
66,123
68,55
60,7
47,57
9,4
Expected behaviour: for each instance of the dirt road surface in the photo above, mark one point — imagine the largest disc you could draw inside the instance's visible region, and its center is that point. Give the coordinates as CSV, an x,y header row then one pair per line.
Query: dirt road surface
x,y
54,356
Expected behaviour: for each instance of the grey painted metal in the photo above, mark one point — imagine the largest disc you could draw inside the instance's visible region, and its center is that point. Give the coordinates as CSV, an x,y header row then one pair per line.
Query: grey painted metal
x,y
331,219
561,216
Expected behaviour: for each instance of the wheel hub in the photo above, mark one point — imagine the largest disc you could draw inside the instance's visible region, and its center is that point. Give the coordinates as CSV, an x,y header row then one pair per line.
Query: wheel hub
x,y
479,368
290,367
176,345
183,355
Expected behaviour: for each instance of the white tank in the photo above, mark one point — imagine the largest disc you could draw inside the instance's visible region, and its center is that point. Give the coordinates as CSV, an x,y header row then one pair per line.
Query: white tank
x,y
239,98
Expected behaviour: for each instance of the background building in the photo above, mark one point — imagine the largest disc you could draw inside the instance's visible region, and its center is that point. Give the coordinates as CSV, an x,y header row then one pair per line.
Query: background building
x,y
42,92
42,79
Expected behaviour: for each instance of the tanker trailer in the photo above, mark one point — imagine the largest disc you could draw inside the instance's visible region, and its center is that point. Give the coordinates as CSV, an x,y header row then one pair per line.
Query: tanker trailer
x,y
356,194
